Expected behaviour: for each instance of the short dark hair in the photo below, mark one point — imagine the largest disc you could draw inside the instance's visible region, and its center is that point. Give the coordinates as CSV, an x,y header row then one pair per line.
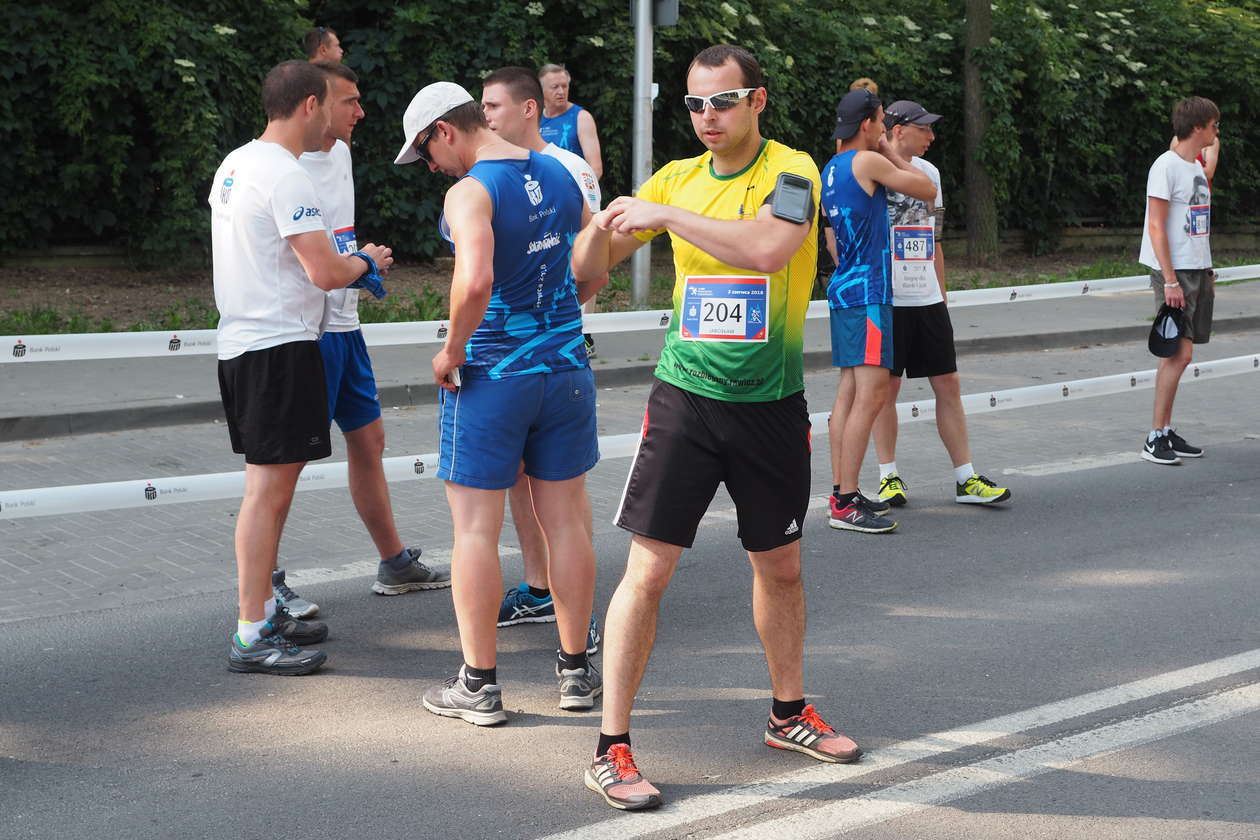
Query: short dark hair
x,y
336,68
719,54
1191,113
287,86
316,38
520,82
467,117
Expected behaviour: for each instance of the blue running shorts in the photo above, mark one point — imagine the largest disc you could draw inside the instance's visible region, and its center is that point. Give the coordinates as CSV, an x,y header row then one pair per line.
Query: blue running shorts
x,y
352,398
488,426
862,335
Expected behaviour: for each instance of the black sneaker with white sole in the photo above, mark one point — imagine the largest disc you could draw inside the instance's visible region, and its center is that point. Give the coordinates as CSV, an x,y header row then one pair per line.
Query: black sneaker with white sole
x,y
272,653
1180,447
1160,451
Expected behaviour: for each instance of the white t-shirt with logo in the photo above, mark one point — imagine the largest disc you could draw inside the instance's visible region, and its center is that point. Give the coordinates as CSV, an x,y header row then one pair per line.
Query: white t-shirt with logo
x,y
1184,185
334,184
259,196
581,172
907,210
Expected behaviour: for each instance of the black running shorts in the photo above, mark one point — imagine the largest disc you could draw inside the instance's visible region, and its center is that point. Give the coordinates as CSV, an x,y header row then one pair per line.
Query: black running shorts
x,y
276,404
923,341
692,443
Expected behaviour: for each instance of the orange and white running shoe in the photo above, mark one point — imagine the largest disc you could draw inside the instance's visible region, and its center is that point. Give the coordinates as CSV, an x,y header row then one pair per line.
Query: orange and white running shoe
x,y
614,777
810,734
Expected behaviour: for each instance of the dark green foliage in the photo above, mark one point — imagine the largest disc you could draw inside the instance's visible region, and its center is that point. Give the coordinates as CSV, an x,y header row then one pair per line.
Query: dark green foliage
x,y
113,137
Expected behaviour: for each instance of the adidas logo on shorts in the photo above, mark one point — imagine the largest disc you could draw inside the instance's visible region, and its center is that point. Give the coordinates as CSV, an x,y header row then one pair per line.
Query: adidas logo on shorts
x,y
792,528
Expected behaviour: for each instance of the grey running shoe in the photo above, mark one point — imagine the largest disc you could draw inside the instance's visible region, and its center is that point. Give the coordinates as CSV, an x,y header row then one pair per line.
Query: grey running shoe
x,y
593,638
579,687
451,698
297,606
272,653
296,630
415,575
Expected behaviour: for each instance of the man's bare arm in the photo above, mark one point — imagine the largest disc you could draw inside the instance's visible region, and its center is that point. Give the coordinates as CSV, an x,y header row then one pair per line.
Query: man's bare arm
x,y
329,270
598,248
469,212
588,137
1156,222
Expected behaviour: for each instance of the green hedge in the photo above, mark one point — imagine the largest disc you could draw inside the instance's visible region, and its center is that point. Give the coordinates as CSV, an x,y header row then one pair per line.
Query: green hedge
x,y
114,114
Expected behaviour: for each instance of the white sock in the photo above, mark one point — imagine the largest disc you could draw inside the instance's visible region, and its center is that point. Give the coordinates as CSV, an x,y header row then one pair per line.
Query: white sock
x,y
888,469
963,473
269,608
1154,434
249,631
1167,429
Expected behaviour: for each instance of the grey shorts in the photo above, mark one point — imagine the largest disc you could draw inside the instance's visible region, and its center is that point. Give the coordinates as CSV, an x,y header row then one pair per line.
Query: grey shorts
x,y
1199,287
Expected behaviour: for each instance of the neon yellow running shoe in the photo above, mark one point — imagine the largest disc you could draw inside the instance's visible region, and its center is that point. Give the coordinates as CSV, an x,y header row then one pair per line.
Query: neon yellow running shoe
x,y
978,490
892,490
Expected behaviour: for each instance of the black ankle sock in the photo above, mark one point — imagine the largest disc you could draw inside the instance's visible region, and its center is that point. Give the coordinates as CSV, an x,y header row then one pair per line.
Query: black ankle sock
x,y
835,490
571,661
784,709
476,678
539,593
606,741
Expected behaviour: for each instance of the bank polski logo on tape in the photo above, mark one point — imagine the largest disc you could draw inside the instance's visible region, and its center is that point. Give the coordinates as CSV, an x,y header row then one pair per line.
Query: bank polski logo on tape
x,y
150,492
442,331
992,401
1196,371
1132,381
1085,289
174,344
1013,294
419,467
19,349
1066,390
665,320
914,411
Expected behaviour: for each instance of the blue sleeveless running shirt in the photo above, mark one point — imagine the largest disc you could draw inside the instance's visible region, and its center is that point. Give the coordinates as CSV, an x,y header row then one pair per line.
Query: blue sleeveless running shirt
x,y
533,323
562,130
860,222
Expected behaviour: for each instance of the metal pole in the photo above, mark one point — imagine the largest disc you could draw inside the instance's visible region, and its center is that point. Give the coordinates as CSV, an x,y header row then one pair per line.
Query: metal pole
x,y
641,170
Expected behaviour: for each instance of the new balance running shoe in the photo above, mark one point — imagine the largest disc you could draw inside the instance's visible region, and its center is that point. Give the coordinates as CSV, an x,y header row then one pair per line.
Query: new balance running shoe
x,y
978,490
520,607
297,606
593,638
411,577
854,515
1180,447
579,687
272,653
893,490
810,734
300,632
1160,450
451,698
876,506
614,777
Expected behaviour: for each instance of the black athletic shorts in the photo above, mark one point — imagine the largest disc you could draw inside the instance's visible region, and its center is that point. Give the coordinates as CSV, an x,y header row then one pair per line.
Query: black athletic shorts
x,y
923,341
276,404
692,443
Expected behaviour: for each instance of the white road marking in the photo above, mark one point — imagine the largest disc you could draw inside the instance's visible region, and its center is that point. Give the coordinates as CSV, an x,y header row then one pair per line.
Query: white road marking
x,y
703,806
437,559
1088,462
901,800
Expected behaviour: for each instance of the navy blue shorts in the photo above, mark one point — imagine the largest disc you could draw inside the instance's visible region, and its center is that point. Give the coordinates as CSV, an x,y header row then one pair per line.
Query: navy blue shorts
x,y
489,426
352,398
862,335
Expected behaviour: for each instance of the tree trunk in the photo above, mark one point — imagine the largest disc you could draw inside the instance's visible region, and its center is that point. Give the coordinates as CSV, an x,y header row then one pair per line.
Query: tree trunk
x,y
982,228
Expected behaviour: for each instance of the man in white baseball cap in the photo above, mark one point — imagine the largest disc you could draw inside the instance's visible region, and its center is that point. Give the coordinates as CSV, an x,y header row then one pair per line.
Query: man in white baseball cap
x,y
432,102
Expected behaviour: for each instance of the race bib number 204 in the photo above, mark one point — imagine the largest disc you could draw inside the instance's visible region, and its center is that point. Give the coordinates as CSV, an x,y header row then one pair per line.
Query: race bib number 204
x,y
725,309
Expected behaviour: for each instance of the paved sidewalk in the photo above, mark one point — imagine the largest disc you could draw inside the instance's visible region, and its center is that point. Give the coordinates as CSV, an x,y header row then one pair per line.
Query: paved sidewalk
x,y
59,398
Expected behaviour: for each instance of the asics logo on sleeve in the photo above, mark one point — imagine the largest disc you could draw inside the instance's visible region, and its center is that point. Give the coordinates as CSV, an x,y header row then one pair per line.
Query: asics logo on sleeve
x,y
309,212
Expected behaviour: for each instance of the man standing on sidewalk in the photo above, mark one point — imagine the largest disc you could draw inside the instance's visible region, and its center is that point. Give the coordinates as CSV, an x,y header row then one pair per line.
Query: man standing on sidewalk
x,y
272,264
860,293
352,398
729,406
512,102
923,336
516,387
1175,247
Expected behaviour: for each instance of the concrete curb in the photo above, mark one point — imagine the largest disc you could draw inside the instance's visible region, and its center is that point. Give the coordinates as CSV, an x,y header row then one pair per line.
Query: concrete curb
x,y
141,417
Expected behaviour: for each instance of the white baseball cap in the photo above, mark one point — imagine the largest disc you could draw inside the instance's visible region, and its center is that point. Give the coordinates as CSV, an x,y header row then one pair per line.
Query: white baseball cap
x,y
431,103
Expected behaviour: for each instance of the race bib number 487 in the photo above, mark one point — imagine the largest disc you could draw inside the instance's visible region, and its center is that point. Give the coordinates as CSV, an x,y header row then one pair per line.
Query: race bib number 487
x,y
725,309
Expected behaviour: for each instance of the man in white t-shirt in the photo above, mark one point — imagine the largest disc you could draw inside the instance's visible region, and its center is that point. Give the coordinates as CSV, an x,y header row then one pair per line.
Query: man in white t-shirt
x,y
923,336
353,401
1175,248
511,99
272,264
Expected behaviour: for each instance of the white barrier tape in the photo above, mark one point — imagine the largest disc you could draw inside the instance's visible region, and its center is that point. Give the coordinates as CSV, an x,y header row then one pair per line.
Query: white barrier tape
x,y
87,346
116,495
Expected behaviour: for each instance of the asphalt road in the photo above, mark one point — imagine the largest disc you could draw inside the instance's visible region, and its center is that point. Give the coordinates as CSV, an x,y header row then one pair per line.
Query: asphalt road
x,y
976,654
